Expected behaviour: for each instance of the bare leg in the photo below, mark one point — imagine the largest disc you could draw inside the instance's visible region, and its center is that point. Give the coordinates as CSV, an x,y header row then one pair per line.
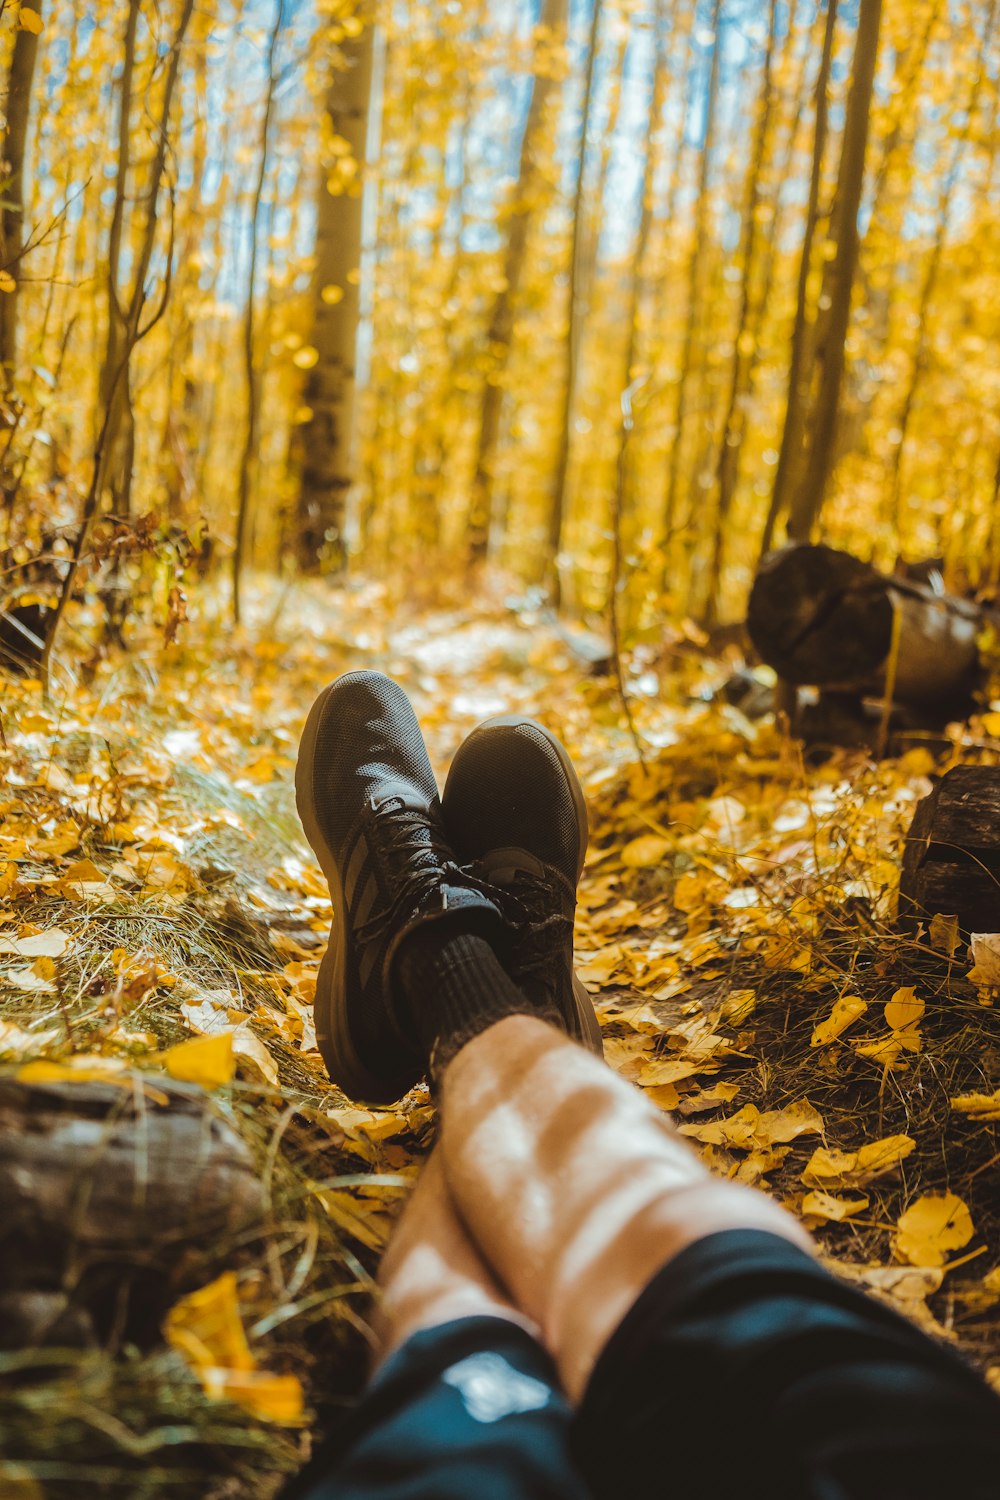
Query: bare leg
x,y
574,1188
432,1273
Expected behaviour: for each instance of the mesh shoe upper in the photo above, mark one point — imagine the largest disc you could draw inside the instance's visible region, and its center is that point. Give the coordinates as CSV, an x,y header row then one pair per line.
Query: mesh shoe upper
x,y
368,801
514,807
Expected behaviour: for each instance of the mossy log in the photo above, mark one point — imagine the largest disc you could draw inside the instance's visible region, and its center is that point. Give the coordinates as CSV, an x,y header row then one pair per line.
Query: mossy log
x,y
107,1192
951,863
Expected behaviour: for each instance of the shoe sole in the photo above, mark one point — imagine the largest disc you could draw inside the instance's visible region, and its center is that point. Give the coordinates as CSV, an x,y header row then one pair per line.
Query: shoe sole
x,y
333,1036
588,1023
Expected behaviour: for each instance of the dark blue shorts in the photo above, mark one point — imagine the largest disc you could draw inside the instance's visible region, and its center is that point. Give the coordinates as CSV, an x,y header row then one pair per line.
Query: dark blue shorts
x,y
743,1371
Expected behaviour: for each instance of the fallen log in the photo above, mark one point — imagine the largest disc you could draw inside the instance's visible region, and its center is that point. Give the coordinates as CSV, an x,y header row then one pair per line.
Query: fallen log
x,y
105,1190
951,862
823,617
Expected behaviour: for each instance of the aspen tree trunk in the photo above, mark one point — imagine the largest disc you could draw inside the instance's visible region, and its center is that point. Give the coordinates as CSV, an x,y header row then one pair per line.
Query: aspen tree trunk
x,y
622,498
330,391
125,326
745,342
807,502
113,395
247,465
22,72
799,372
552,27
933,269
577,314
126,307
694,281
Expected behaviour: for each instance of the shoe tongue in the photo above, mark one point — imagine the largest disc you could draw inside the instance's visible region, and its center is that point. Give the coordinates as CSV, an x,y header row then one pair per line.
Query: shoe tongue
x,y
503,866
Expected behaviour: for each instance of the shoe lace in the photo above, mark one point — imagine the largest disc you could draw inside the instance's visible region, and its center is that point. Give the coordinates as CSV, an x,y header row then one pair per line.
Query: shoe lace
x,y
540,928
414,856
417,860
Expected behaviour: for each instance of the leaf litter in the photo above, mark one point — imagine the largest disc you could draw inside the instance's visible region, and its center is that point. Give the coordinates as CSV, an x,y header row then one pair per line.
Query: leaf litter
x,y
161,917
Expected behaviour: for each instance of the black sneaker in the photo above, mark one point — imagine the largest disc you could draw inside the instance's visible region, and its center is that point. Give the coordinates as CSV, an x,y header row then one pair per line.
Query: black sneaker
x,y
514,809
369,805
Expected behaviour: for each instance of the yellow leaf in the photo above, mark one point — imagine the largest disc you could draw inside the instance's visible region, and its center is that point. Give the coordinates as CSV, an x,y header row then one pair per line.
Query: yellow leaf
x,y
15,1040
737,1005
930,1227
368,1226
978,1106
789,1123
29,20
986,959
828,1168
845,1012
739,1130
904,1009
306,357
820,1205
30,978
943,931
207,1328
991,724
269,1398
51,944
331,295
661,1070
85,1068
647,850
7,282
207,1060
664,1096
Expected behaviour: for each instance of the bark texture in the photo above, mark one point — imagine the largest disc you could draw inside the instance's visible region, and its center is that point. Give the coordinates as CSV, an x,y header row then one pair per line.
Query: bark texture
x,y
104,1190
22,72
951,864
330,390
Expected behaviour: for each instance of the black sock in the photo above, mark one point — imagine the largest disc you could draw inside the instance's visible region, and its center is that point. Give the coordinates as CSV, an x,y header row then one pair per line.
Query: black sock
x,y
452,987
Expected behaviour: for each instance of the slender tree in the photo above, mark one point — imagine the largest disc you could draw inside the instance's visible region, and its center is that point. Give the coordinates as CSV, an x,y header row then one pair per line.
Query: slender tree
x,y
790,451
19,89
249,457
695,270
327,438
807,502
551,32
577,315
744,343
127,303
932,270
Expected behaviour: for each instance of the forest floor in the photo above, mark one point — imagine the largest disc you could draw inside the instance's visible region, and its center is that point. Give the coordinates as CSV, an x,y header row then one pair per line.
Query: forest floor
x,y
161,917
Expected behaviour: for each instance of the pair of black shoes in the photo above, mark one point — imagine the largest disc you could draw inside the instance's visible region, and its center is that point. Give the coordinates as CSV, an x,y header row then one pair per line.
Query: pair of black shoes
x,y
498,857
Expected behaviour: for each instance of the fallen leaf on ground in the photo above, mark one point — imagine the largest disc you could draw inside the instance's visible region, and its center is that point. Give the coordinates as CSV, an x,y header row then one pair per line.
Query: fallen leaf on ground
x,y
985,952
37,977
206,1327
737,1005
904,1287
978,1106
15,1041
820,1205
210,1016
207,1060
645,851
51,944
943,934
930,1227
904,1010
749,1128
828,1168
696,1103
845,1012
